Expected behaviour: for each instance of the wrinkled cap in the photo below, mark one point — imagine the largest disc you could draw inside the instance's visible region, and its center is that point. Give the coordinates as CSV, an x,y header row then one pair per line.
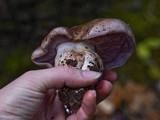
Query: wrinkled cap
x,y
112,38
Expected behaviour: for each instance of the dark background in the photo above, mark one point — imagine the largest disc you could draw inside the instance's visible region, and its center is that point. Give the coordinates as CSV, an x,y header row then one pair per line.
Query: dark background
x,y
24,23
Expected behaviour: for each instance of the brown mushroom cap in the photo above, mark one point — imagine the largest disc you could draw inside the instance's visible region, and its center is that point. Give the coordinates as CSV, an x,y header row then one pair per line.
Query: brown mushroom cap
x,y
113,39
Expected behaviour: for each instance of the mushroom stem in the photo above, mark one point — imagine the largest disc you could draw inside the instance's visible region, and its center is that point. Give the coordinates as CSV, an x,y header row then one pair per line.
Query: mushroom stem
x,y
81,55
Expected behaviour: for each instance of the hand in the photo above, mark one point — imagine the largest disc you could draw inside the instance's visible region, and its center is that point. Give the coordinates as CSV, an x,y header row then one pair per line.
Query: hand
x,y
33,95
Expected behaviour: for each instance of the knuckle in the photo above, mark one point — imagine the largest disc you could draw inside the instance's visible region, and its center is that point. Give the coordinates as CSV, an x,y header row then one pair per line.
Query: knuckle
x,y
29,73
68,70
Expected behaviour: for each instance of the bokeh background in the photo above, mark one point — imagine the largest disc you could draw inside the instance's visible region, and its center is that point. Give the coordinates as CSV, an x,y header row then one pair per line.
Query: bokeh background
x,y
136,95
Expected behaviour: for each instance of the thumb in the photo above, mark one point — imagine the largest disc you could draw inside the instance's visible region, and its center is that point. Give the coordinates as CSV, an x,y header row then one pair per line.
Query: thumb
x,y
58,77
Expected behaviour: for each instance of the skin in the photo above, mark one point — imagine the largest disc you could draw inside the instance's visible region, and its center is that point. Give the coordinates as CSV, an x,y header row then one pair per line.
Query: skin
x,y
33,96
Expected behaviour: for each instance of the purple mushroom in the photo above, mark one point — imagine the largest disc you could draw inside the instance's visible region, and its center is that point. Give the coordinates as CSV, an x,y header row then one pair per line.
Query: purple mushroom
x,y
97,45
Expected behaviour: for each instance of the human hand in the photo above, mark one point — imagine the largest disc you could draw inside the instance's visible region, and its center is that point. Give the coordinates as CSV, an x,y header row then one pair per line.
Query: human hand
x,y
33,95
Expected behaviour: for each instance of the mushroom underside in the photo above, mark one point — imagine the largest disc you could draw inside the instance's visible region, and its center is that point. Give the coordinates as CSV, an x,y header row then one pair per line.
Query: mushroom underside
x,y
114,49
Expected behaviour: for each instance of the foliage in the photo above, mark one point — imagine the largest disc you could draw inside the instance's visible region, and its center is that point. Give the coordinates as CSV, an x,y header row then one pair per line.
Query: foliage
x,y
145,53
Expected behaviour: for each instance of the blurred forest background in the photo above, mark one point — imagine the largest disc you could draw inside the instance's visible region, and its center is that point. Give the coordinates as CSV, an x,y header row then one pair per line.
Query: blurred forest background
x,y
24,23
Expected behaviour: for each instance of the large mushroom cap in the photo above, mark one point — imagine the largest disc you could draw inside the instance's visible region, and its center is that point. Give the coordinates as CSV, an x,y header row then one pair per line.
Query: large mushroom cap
x,y
113,40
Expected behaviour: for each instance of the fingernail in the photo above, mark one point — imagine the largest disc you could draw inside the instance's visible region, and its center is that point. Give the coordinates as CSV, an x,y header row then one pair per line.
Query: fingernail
x,y
91,74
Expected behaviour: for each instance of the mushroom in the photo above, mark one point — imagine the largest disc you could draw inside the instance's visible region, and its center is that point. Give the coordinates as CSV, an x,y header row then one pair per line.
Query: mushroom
x,y
97,45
